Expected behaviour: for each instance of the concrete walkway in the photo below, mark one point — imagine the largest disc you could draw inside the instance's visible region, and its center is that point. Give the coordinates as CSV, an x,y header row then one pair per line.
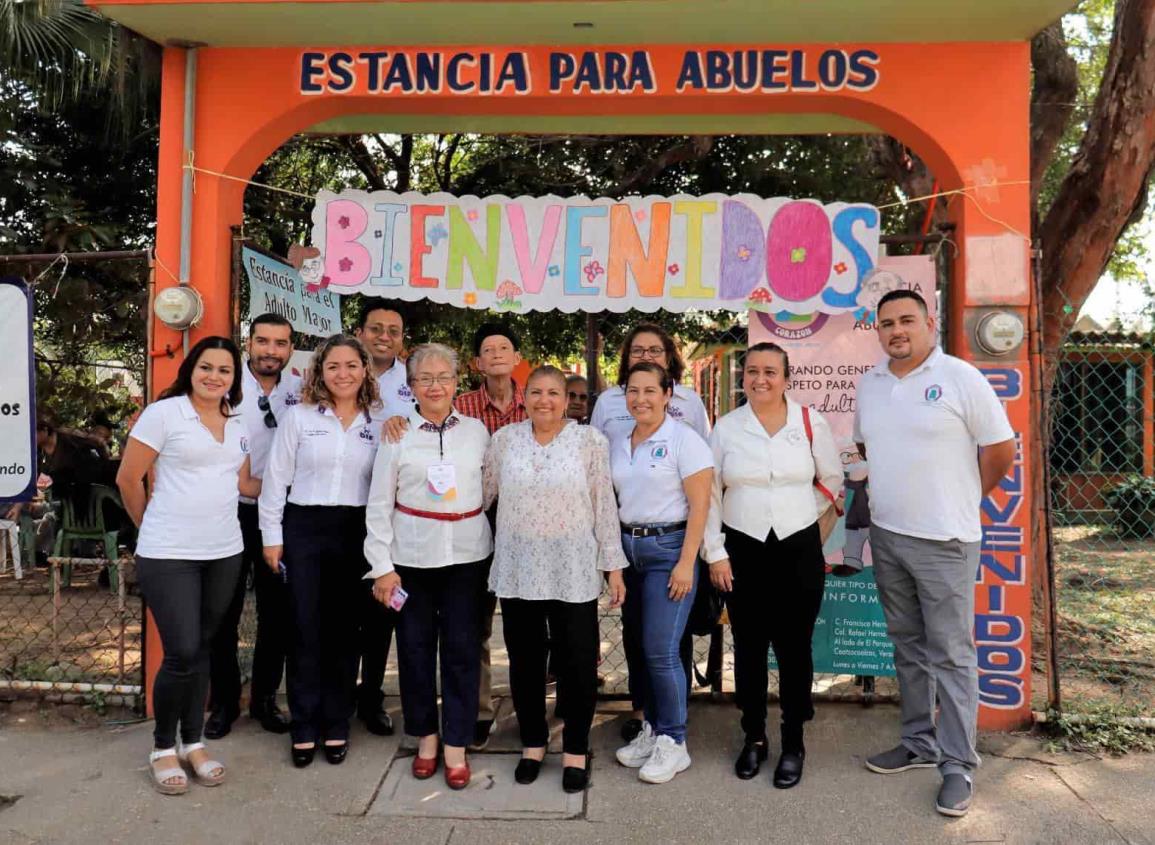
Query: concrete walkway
x,y
90,785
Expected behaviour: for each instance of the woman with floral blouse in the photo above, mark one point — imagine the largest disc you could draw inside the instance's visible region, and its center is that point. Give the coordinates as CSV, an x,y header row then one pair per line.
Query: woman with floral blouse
x,y
557,534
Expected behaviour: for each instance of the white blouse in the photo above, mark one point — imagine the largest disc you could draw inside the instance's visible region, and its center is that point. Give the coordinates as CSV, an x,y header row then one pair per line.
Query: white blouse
x,y
557,522
764,483
314,461
285,394
192,514
396,396
612,419
432,470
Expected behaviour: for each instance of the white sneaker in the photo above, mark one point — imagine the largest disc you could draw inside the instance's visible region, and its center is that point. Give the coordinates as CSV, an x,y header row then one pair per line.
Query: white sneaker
x,y
666,760
638,751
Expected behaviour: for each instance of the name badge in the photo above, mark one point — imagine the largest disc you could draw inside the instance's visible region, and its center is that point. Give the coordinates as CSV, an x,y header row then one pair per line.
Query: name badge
x,y
441,482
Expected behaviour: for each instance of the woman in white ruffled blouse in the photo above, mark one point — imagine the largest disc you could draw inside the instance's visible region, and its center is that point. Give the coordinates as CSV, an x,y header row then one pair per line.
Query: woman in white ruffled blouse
x,y
557,539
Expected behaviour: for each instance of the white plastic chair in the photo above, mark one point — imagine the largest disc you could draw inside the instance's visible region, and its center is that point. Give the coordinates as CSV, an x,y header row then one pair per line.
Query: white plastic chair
x,y
10,547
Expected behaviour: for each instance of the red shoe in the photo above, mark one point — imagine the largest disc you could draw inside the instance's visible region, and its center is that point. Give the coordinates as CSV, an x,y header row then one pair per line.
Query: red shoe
x,y
457,777
424,767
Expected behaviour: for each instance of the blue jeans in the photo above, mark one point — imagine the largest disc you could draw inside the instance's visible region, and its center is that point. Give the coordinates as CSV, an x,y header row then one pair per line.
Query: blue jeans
x,y
662,622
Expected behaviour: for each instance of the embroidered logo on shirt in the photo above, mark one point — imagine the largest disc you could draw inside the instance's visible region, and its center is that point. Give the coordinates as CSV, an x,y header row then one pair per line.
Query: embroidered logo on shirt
x,y
933,393
291,400
367,434
793,436
404,392
244,445
660,451
674,412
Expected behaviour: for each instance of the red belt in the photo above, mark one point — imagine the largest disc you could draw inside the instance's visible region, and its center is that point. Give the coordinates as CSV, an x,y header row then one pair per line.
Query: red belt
x,y
441,517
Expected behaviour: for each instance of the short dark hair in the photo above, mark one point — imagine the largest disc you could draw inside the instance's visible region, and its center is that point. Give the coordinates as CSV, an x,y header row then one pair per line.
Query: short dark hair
x,y
574,378
369,304
182,385
664,380
675,364
269,319
768,346
903,293
488,330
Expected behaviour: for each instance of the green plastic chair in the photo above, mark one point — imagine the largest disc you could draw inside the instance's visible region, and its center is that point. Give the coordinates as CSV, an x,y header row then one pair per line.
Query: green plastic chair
x,y
88,524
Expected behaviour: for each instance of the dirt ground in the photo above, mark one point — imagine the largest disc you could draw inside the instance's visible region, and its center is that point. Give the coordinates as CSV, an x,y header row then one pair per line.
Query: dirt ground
x,y
1106,610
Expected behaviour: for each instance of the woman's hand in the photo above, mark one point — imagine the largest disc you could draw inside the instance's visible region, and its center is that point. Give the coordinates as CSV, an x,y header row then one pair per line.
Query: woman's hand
x,y
273,555
721,576
384,585
394,428
682,580
617,587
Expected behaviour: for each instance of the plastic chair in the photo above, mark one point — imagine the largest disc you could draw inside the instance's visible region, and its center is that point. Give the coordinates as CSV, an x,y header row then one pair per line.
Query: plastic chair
x,y
87,523
10,547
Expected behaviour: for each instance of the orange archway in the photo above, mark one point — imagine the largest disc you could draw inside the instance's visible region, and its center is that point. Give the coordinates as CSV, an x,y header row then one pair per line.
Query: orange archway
x,y
963,105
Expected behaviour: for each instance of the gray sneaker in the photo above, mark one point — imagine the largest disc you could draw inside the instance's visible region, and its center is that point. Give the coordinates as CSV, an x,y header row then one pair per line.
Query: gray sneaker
x,y
954,796
897,759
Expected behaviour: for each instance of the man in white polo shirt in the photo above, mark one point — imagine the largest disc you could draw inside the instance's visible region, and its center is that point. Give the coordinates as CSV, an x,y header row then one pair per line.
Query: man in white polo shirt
x,y
382,330
938,440
268,390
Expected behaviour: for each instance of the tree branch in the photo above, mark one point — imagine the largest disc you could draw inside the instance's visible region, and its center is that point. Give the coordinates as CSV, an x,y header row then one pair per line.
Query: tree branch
x,y
1107,184
694,148
364,160
1052,99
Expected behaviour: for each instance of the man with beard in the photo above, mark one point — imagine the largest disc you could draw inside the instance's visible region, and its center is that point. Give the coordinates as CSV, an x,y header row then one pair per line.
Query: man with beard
x,y
938,440
267,393
382,330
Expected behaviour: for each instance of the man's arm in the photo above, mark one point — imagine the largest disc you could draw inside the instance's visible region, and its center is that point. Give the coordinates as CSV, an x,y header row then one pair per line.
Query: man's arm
x,y
994,463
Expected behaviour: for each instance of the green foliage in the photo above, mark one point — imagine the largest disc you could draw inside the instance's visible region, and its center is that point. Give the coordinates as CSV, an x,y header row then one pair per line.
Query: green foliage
x,y
1133,501
1098,728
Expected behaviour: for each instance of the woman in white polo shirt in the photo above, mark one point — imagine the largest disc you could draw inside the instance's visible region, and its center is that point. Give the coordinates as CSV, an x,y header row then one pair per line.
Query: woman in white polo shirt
x,y
312,514
428,535
662,474
647,342
776,468
189,548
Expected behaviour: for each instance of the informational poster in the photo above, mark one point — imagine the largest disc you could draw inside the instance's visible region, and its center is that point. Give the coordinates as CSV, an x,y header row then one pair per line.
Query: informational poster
x,y
17,394
580,254
278,287
828,355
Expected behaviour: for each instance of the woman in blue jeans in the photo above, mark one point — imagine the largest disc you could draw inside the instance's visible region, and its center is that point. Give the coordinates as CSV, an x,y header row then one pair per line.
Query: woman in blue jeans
x,y
662,472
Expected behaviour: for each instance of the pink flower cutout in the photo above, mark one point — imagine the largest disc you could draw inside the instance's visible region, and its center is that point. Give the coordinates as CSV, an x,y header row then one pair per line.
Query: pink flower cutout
x,y
346,264
471,215
593,270
840,267
674,269
639,216
343,222
744,253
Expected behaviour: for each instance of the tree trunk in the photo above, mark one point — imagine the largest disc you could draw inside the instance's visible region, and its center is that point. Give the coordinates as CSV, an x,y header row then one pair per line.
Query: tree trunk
x,y
1053,96
1106,187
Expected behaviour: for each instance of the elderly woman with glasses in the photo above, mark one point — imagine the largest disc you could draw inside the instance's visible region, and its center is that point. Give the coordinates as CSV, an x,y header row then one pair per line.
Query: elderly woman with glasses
x,y
427,541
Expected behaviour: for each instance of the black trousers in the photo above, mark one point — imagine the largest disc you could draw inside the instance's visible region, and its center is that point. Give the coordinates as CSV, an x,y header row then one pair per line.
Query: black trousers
x,y
573,644
188,599
777,594
377,622
324,563
273,623
440,619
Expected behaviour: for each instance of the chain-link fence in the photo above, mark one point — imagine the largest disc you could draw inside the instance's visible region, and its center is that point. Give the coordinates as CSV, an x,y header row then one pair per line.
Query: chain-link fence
x,y
69,631
1101,463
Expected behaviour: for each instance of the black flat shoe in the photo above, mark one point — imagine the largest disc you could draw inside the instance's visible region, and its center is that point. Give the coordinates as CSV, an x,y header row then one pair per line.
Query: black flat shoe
x,y
377,722
336,754
574,779
750,758
302,756
219,723
271,717
527,770
630,729
788,772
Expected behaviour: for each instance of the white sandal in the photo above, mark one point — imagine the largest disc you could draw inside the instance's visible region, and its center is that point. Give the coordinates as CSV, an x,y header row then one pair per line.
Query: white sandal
x,y
160,778
204,772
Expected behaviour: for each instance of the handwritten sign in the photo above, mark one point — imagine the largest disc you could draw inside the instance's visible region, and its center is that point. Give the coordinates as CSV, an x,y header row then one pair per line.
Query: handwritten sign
x,y
545,253
276,287
17,394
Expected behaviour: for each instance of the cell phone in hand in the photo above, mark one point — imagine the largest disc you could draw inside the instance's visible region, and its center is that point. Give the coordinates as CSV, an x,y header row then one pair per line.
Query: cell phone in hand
x,y
397,599
284,572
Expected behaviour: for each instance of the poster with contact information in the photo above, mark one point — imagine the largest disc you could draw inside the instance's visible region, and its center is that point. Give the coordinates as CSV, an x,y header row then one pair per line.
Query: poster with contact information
x,y
17,393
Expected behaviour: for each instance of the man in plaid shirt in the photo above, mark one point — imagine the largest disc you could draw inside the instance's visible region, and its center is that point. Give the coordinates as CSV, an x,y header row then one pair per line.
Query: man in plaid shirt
x,y
498,402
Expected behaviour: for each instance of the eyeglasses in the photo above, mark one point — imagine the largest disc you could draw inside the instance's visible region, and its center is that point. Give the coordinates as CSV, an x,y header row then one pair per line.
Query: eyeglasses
x,y
445,380
650,351
263,404
574,395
